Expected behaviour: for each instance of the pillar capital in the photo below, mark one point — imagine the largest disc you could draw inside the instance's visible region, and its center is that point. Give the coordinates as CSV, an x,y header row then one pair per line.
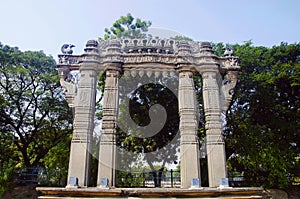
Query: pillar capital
x,y
208,68
185,68
113,67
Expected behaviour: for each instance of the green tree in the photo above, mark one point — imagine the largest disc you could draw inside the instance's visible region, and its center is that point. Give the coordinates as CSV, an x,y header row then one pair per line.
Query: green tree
x,y
34,113
262,133
181,37
127,27
159,149
7,161
56,163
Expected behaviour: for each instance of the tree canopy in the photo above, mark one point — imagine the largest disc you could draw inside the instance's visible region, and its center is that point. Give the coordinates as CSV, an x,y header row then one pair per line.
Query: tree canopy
x,y
34,113
263,123
127,27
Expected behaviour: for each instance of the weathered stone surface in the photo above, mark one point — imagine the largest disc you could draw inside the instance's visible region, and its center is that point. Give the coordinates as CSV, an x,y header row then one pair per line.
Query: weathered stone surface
x,y
189,145
150,193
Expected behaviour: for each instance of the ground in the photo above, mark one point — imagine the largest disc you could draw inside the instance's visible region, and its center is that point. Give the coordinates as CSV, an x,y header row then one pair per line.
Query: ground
x,y
29,192
21,192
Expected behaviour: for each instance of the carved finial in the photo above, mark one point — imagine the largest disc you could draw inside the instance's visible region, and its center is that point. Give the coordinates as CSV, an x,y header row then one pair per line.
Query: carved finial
x,y
91,43
114,46
206,48
184,47
229,51
67,49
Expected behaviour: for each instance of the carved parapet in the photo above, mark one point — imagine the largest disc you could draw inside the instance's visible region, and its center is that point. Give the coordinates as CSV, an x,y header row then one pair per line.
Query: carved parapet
x,y
66,59
159,46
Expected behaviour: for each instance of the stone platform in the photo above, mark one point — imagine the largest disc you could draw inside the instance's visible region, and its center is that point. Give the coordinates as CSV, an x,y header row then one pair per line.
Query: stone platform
x,y
94,193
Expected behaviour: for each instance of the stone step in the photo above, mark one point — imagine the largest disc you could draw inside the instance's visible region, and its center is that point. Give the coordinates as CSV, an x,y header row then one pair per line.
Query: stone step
x,y
139,193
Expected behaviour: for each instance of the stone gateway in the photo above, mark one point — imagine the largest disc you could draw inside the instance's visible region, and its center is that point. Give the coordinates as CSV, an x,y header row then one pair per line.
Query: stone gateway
x,y
151,57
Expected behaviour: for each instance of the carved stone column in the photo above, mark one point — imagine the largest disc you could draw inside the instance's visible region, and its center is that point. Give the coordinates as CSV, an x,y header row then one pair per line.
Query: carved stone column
x,y
214,138
84,104
107,151
189,145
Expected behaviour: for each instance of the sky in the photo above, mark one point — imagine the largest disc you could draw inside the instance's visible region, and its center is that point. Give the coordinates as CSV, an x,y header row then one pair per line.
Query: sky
x,y
48,24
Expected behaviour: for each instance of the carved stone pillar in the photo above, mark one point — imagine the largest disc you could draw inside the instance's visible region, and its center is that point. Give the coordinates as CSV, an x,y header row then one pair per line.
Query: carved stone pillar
x,y
189,145
80,157
214,138
83,100
107,151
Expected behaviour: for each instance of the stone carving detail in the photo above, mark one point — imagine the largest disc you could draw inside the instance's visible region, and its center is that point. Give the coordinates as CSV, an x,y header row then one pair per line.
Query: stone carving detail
x,y
186,99
67,49
68,59
229,63
160,46
110,100
210,91
229,51
229,69
68,82
227,89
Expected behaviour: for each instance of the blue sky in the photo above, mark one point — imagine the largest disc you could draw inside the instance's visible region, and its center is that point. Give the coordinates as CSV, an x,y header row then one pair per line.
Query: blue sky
x,y
47,24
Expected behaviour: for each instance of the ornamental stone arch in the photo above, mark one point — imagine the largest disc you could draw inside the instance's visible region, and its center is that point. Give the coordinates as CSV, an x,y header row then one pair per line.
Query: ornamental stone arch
x,y
152,57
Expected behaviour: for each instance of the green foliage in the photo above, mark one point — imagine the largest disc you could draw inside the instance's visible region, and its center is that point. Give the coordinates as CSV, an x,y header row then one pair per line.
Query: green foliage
x,y
7,161
34,112
127,27
140,102
160,148
6,175
129,178
181,37
56,163
263,134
